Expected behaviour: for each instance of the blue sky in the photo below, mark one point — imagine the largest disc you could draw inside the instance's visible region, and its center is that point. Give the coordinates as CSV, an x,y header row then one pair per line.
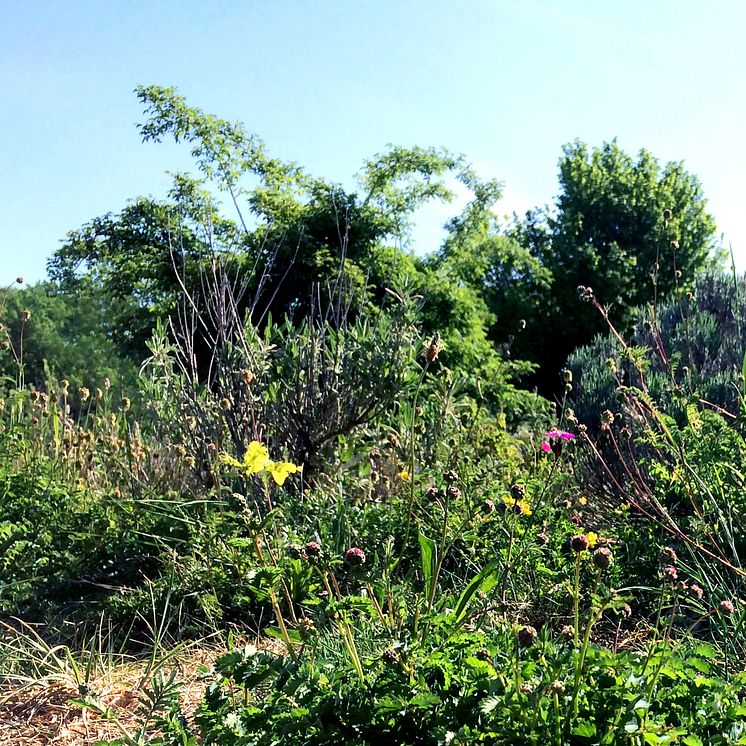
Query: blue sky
x,y
329,84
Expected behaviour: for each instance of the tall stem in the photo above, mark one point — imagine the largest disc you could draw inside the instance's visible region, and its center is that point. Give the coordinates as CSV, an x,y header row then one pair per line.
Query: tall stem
x,y
412,447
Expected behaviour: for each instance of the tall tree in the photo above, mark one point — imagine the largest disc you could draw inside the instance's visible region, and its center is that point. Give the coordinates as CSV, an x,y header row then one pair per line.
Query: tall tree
x,y
630,229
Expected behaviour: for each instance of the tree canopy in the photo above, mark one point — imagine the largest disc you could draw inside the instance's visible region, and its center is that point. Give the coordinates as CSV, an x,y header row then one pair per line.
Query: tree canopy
x,y
632,230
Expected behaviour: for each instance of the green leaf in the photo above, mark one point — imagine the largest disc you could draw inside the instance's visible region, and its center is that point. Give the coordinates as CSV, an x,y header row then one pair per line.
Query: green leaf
x,y
584,729
692,740
704,650
484,582
631,726
428,557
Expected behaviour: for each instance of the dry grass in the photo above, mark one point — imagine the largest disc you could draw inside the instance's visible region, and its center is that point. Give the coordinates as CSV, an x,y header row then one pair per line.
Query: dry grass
x,y
47,713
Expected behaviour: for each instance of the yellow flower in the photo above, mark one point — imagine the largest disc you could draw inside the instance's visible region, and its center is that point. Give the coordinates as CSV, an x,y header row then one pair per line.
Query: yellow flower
x,y
280,470
583,500
256,458
404,475
519,507
228,460
592,537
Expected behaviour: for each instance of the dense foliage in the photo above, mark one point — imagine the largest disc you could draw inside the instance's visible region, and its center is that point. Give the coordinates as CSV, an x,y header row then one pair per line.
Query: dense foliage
x,y
284,426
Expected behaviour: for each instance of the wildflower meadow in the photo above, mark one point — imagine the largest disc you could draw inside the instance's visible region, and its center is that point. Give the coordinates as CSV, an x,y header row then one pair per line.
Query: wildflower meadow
x,y
273,479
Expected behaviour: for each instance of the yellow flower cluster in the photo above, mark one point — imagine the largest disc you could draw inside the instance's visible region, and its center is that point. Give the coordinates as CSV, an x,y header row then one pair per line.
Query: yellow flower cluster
x,y
256,459
519,507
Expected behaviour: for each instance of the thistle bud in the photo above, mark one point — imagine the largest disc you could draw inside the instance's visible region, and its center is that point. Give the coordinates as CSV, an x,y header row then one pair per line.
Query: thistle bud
x,y
602,558
526,635
355,557
579,543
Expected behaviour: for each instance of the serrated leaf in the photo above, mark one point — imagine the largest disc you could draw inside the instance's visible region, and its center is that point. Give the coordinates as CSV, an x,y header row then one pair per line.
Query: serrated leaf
x,y
692,740
584,729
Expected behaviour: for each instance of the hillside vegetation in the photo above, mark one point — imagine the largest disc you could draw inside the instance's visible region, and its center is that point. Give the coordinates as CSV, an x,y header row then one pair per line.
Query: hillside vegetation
x,y
283,481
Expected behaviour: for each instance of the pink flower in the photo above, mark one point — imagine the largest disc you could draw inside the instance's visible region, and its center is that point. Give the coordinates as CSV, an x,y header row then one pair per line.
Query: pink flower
x,y
560,434
355,557
553,442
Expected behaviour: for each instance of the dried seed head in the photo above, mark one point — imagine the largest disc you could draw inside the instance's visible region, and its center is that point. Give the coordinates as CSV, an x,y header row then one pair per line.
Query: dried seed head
x,y
667,556
518,492
579,543
432,493
602,558
556,687
306,627
607,419
450,476
527,635
431,351
313,550
390,655
726,608
696,591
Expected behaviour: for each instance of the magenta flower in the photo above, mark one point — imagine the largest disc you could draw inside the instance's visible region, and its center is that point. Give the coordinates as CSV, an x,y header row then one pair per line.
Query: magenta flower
x,y
553,443
560,434
355,557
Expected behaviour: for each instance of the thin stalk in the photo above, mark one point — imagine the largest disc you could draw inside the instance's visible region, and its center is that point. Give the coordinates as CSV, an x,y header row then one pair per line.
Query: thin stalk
x,y
412,447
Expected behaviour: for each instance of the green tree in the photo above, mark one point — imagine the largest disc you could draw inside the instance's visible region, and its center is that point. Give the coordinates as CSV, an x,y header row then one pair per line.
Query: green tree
x,y
630,229
295,238
48,332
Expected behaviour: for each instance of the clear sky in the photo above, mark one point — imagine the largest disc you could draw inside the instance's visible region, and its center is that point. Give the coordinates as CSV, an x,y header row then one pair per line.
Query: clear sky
x,y
329,83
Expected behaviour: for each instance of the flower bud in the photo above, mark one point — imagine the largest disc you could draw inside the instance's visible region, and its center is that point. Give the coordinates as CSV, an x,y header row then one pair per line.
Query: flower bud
x,y
579,543
355,557
527,635
602,558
